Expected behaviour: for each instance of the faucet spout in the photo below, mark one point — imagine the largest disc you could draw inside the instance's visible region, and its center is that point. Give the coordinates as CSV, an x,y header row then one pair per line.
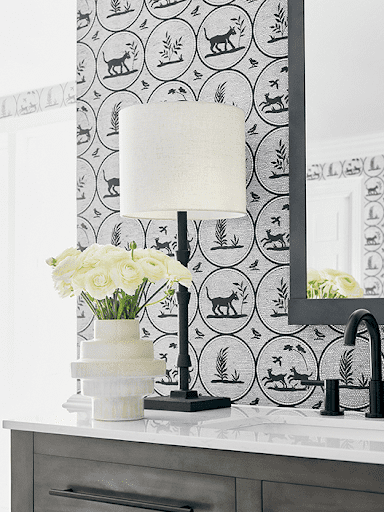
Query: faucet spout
x,y
376,394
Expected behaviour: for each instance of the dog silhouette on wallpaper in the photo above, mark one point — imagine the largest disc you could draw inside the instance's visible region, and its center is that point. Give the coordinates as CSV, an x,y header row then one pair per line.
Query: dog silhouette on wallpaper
x,y
118,62
221,39
223,302
269,101
112,184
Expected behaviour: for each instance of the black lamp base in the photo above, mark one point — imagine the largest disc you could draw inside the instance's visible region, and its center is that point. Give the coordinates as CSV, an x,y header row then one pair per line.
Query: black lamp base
x,y
179,403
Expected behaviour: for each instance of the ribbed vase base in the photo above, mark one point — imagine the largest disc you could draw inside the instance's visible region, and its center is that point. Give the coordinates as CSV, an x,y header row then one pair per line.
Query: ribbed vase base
x,y
118,408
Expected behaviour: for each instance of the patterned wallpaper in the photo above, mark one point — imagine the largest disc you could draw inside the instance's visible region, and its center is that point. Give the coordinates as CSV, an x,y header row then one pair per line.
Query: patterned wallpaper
x,y
372,170
235,52
38,100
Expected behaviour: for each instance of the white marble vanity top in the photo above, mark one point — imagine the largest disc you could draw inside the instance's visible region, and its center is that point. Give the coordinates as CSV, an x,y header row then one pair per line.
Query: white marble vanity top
x,y
244,428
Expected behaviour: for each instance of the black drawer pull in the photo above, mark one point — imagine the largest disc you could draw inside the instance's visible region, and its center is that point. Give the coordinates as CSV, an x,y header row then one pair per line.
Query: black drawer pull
x,y
69,493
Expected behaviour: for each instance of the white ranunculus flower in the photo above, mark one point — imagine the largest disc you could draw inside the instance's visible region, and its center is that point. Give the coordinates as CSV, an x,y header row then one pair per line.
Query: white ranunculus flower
x,y
71,251
65,289
330,274
126,273
313,275
348,286
153,269
99,283
65,269
177,272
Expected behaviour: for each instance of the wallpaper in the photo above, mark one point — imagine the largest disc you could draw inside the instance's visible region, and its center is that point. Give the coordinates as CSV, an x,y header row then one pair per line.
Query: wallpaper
x,y
38,100
371,169
233,52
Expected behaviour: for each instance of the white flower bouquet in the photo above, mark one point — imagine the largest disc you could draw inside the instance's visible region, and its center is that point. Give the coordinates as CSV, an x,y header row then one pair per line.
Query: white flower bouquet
x,y
113,281
332,284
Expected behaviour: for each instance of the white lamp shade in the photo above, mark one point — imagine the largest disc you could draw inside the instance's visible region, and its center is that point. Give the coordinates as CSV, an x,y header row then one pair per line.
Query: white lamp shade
x,y
182,156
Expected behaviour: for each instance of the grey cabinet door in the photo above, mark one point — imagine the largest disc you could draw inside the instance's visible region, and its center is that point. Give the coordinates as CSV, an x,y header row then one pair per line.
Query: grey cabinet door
x,y
202,493
279,497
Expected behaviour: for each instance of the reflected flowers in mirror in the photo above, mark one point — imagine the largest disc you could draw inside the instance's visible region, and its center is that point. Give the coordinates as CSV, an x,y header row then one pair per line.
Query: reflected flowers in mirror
x,y
329,283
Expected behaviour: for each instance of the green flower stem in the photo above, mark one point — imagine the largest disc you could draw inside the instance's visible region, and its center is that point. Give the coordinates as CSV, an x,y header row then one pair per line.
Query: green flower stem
x,y
147,303
89,302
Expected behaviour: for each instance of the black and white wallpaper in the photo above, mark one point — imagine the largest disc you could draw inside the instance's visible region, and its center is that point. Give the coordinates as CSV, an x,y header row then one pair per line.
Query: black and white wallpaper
x,y
371,169
234,52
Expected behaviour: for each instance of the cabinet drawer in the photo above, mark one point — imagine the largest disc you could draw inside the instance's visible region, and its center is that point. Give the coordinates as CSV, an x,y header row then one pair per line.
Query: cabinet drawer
x,y
307,498
208,493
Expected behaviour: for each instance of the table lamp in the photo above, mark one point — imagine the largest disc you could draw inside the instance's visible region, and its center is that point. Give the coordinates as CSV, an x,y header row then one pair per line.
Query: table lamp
x,y
180,159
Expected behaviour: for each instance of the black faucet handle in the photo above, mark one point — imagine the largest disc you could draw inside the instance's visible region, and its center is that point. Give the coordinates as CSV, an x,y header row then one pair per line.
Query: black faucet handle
x,y
332,395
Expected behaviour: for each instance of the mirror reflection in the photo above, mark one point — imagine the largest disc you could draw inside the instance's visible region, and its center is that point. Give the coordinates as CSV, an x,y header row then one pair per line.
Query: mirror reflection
x,y
344,69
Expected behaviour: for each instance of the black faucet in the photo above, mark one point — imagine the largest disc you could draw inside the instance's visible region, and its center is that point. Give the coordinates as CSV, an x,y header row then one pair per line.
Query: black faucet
x,y
376,395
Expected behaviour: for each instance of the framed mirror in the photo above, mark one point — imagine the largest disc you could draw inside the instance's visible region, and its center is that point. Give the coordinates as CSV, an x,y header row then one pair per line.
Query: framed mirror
x,y
314,175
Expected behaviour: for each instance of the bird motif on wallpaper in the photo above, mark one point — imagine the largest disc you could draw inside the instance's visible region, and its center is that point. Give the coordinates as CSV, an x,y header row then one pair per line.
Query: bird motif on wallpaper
x,y
254,63
199,334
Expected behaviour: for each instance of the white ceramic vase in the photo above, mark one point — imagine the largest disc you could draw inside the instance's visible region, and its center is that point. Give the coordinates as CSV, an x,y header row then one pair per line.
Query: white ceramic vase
x,y
117,370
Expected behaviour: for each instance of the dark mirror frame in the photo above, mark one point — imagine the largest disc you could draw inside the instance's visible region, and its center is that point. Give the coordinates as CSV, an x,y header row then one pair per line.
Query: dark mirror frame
x,y
303,311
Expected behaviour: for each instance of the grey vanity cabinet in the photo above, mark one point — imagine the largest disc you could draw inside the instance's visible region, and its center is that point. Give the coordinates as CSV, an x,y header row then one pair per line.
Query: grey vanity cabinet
x,y
206,480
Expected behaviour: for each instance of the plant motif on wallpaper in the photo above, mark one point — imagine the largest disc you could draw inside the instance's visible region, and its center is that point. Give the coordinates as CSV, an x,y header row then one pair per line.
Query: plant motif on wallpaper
x,y
114,128
373,166
221,237
171,49
51,99
117,66
83,19
81,182
158,4
4,112
281,303
222,307
346,372
281,163
181,91
169,307
280,28
117,9
223,43
80,72
83,229
222,369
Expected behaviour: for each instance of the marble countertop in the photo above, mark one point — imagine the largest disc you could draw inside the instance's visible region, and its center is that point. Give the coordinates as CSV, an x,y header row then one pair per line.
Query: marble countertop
x,y
244,428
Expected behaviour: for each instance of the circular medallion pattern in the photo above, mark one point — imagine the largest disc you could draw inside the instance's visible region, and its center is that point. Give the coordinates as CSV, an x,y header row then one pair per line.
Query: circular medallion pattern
x,y
164,315
281,365
86,13
170,49
108,117
167,348
121,231
227,367
85,69
271,93
373,213
224,37
374,166
85,185
86,235
120,60
162,235
118,14
226,242
272,296
226,300
165,9
86,126
272,230
374,188
172,91
229,87
272,161
270,28
352,366
51,97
